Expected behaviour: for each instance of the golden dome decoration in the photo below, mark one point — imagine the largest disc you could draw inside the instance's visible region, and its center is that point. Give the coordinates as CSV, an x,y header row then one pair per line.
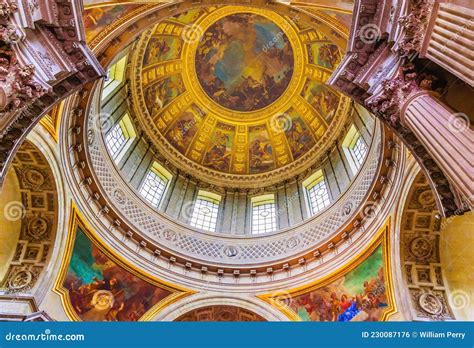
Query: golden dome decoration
x,y
238,96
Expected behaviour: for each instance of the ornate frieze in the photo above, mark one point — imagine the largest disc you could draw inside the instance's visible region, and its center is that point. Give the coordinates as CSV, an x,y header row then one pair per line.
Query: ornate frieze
x,y
7,7
17,87
43,58
389,101
414,25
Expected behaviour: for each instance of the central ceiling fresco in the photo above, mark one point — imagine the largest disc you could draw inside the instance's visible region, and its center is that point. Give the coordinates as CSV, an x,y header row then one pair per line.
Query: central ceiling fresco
x,y
237,93
240,66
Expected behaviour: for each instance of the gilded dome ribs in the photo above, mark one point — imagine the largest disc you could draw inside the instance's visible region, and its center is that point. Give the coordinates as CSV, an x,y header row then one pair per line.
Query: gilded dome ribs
x,y
155,73
237,92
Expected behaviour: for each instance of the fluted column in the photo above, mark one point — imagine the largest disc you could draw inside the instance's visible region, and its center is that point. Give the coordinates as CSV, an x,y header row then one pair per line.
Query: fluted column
x,y
447,136
449,40
377,72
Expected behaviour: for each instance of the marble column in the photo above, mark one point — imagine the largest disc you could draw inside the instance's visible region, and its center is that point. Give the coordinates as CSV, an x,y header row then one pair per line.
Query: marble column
x,y
449,39
447,136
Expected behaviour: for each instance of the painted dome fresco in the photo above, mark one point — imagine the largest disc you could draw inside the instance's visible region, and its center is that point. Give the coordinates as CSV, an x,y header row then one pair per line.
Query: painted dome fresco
x,y
239,94
238,64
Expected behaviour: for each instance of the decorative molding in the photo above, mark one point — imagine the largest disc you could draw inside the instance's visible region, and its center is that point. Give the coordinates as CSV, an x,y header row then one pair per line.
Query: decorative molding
x,y
20,308
39,213
44,59
96,181
376,75
419,253
51,121
155,124
17,87
220,313
414,25
387,103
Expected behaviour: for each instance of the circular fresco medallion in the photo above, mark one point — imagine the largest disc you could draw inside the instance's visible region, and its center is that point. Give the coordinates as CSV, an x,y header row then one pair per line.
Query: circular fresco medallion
x,y
244,62
237,96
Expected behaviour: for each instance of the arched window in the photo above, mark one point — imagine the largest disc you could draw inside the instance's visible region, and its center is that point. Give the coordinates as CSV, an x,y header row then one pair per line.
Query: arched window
x,y
115,76
317,194
355,149
206,209
263,214
155,184
120,137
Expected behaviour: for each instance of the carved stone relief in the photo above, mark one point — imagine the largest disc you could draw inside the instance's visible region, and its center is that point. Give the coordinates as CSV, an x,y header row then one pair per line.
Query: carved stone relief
x,y
420,253
43,58
39,219
377,74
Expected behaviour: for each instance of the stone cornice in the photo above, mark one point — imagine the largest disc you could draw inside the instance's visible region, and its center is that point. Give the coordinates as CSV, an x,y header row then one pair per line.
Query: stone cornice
x,y
374,73
44,59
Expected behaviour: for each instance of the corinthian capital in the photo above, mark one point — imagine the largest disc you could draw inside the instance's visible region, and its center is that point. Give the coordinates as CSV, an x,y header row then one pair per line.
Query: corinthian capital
x,y
414,26
388,102
7,7
17,87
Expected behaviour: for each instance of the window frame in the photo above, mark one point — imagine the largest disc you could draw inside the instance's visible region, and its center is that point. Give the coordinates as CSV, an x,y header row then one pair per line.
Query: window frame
x,y
115,77
158,170
128,132
351,140
259,201
201,222
310,183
